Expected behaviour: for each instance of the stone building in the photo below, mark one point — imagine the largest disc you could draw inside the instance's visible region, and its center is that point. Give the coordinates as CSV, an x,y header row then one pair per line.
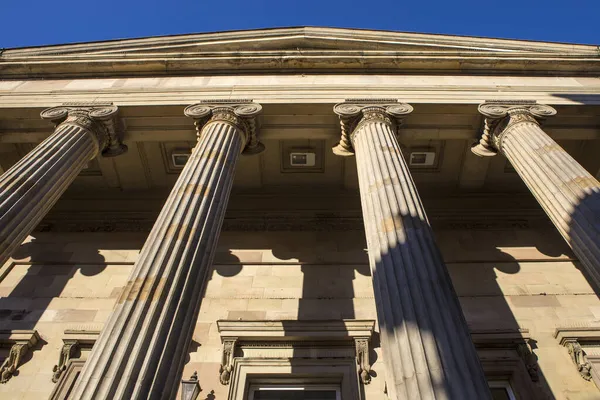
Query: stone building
x,y
178,208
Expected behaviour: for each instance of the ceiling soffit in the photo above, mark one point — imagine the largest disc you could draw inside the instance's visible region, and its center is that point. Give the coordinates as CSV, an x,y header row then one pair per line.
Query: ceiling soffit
x,y
291,49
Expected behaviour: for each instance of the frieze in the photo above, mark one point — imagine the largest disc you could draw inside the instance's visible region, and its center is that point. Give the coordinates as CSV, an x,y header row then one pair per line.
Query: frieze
x,y
261,222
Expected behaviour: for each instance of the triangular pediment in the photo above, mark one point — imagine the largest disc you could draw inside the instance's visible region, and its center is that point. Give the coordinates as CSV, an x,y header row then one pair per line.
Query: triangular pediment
x,y
310,39
298,50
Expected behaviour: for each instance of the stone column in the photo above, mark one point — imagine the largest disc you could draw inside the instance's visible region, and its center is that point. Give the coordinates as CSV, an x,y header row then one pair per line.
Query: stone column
x,y
31,187
427,349
141,350
566,191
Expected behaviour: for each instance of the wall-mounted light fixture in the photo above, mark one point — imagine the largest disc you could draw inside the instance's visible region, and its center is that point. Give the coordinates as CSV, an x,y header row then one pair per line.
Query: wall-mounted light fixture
x,y
190,389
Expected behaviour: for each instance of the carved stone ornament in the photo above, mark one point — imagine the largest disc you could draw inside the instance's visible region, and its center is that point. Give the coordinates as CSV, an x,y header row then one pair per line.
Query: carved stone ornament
x,y
308,339
21,342
67,352
502,115
99,118
353,113
240,113
579,359
227,360
362,359
529,359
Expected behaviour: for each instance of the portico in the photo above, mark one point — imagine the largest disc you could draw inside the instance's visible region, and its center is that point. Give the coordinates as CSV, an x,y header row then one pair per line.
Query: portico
x,y
459,250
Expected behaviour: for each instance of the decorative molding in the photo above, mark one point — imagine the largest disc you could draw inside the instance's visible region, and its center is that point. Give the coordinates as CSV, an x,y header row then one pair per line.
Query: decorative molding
x,y
240,113
502,115
579,358
20,341
299,49
519,217
362,359
67,352
295,371
73,341
227,360
518,340
575,339
294,334
313,330
353,113
99,118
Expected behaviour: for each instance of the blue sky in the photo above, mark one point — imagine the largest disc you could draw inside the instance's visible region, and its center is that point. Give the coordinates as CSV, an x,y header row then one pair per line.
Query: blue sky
x,y
36,22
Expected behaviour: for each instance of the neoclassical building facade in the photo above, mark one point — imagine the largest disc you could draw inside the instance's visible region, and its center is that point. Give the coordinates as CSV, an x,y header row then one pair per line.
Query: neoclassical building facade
x,y
300,213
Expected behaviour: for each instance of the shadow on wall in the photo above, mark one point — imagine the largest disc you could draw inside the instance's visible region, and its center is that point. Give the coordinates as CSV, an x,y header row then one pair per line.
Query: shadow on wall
x,y
44,278
38,288
328,293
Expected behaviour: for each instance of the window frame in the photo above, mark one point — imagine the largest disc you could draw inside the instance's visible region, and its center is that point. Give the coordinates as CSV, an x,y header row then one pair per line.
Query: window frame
x,y
503,385
254,387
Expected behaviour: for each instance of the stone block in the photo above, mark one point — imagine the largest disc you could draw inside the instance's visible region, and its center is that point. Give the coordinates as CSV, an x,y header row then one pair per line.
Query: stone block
x,y
75,315
265,304
534,301
247,315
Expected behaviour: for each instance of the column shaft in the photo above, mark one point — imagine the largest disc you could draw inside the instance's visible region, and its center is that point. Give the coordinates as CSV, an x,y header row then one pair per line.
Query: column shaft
x,y
142,348
31,187
566,191
425,340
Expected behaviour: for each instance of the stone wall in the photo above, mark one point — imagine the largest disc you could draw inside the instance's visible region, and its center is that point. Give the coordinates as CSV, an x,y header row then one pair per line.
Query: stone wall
x,y
505,279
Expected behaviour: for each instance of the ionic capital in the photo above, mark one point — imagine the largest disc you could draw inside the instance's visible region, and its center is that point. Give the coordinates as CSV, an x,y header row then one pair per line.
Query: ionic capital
x,y
240,113
98,118
501,117
356,113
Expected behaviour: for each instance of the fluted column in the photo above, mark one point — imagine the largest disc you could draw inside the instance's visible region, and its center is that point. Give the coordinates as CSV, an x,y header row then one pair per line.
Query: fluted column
x,y
31,187
427,349
142,348
566,191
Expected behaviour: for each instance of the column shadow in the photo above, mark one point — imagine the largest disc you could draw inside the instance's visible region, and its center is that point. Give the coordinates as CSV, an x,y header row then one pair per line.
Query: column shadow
x,y
49,269
475,275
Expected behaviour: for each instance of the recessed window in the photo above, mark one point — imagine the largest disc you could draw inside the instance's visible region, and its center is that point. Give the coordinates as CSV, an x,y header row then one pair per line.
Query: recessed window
x,y
501,390
176,155
312,392
302,156
422,158
180,159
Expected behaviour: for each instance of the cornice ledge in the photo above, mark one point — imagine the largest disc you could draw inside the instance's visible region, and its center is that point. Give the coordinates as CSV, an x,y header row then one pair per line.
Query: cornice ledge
x,y
354,111
266,333
564,334
243,113
332,329
100,118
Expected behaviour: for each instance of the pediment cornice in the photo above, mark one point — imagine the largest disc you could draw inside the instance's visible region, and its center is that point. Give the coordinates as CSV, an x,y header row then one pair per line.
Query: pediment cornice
x,y
298,49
